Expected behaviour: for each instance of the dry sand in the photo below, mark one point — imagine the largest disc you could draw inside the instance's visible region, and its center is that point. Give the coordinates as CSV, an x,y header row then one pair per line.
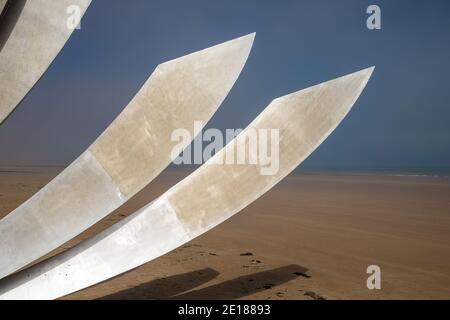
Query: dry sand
x,y
311,237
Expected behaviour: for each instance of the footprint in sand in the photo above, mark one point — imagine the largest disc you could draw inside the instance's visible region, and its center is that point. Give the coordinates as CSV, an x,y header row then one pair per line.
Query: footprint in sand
x,y
314,295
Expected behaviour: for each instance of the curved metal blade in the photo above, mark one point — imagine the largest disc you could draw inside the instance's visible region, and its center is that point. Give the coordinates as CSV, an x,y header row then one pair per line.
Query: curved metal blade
x,y
35,40
198,203
127,156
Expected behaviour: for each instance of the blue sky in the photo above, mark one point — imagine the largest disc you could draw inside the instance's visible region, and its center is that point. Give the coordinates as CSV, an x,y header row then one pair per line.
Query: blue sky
x,y
399,123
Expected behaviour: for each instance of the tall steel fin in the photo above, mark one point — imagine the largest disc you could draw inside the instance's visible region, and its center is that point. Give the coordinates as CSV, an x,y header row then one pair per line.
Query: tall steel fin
x,y
30,44
132,151
198,203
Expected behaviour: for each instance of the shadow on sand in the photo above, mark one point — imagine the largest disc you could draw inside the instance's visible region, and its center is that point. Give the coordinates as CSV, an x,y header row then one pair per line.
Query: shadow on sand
x,y
173,287
164,288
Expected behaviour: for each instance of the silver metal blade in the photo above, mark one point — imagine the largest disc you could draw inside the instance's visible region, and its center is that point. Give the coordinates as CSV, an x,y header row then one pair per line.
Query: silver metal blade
x,y
198,203
127,156
39,34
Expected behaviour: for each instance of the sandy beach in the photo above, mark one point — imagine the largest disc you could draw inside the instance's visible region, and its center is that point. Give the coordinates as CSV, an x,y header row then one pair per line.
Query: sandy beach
x,y
311,237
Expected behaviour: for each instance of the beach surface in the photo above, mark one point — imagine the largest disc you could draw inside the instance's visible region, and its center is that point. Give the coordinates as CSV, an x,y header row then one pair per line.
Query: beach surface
x,y
311,237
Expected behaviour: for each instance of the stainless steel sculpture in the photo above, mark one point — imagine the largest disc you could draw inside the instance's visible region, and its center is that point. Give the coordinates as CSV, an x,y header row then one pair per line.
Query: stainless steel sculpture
x,y
201,201
126,157
28,50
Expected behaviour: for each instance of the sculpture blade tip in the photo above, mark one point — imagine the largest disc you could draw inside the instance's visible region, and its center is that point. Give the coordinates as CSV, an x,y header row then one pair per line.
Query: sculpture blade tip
x,y
250,38
339,94
367,72
214,69
363,76
245,43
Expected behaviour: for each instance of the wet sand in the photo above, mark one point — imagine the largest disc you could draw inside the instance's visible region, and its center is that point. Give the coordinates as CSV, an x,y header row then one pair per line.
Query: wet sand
x,y
312,237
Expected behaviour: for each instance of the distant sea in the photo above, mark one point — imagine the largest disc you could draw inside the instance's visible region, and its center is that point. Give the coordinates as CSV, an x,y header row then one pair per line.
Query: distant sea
x,y
429,172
